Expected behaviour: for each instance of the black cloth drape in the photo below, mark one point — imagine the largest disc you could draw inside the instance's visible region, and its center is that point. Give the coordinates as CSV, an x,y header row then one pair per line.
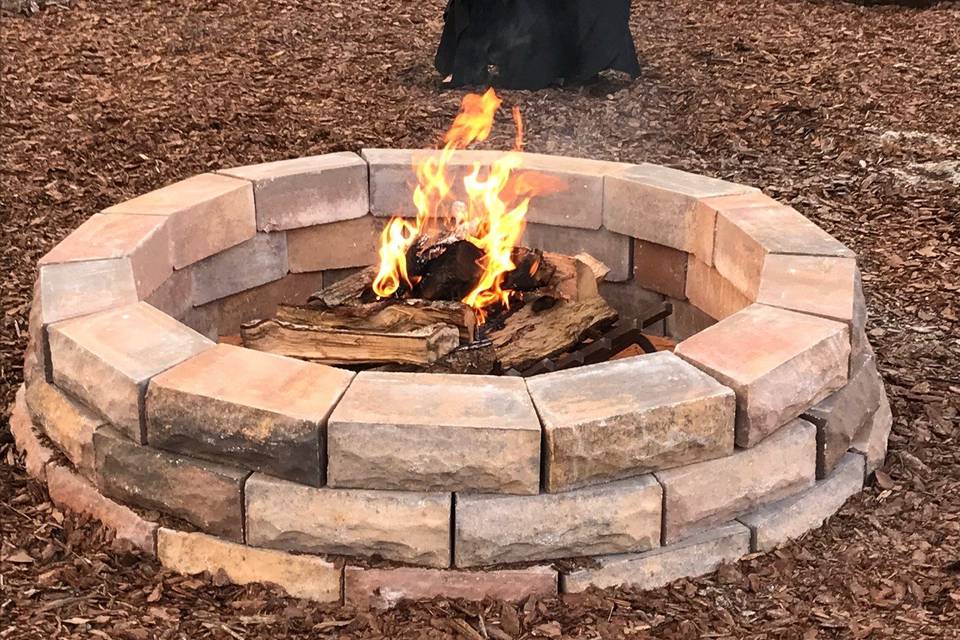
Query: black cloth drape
x,y
535,43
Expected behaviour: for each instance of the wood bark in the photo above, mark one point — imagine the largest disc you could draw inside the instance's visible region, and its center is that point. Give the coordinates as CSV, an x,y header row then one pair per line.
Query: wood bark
x,y
385,315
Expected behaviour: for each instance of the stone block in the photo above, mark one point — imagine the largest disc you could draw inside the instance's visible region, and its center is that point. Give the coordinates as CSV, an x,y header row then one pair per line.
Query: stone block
x,y
250,264
612,249
337,245
37,337
872,439
843,414
779,363
73,289
822,286
687,558
204,319
774,524
174,296
660,268
630,299
435,432
300,576
207,214
67,423
745,236
301,192
141,241
35,455
711,292
705,494
262,302
70,491
331,276
248,408
205,494
105,360
622,418
662,205
686,320
611,518
385,588
404,526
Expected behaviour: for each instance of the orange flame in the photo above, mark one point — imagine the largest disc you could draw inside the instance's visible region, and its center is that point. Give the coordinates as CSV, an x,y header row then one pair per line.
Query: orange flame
x,y
487,208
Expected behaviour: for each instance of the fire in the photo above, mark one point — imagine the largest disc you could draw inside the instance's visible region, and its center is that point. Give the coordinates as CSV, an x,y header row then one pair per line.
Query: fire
x,y
487,207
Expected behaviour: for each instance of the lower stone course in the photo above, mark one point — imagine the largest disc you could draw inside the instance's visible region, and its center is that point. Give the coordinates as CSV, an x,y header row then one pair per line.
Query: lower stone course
x,y
300,576
205,494
394,525
610,518
695,556
35,455
776,523
67,423
384,588
872,438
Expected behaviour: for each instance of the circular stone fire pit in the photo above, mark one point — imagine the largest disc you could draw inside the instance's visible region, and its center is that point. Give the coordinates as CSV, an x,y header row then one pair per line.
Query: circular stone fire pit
x,y
764,420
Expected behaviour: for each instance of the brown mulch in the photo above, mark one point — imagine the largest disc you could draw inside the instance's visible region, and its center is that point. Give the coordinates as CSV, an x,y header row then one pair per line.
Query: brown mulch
x,y
112,98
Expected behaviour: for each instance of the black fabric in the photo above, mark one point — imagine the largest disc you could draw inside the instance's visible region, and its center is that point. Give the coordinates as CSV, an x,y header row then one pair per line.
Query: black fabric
x,y
535,43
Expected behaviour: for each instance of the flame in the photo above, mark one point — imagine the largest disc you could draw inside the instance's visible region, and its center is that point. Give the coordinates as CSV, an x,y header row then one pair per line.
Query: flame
x,y
487,208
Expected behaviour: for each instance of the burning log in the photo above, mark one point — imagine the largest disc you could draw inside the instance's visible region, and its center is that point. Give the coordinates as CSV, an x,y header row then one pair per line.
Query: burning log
x,y
350,290
420,346
385,315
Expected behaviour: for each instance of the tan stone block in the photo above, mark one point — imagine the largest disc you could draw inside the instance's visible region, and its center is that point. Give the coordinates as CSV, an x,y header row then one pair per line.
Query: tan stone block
x,y
300,576
385,588
105,360
631,300
205,494
779,363
612,249
338,245
662,205
174,296
262,302
659,268
774,524
205,320
73,289
37,341
435,432
686,320
622,418
208,213
610,518
746,236
687,558
35,455
249,408
872,439
405,526
704,494
67,423
249,264
143,241
822,286
711,292
70,491
307,191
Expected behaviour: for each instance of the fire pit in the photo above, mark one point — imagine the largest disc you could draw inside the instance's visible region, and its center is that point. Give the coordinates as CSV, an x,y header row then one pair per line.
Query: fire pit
x,y
759,415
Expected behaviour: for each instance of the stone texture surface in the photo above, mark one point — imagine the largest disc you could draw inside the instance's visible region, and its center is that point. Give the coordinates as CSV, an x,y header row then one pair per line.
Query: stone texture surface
x,y
630,299
73,289
105,360
872,438
262,302
70,491
611,518
711,292
774,524
618,419
660,268
249,264
393,525
174,296
67,423
249,408
204,494
662,205
306,191
745,236
384,588
686,320
208,213
204,319
695,556
337,245
612,249
844,413
823,286
435,432
35,455
300,576
779,363
37,344
701,495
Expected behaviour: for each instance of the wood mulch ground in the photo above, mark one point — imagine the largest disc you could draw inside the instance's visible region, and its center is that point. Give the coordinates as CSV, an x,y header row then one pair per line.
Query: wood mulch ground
x,y
849,112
